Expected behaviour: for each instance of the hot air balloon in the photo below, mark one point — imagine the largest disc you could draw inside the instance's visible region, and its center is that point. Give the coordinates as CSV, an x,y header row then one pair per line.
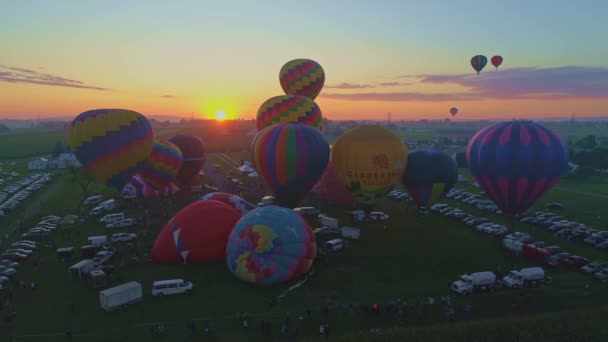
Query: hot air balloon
x,y
289,108
290,158
270,245
162,164
111,144
496,61
138,187
453,111
330,188
194,157
302,77
241,205
479,62
429,175
197,233
515,163
369,160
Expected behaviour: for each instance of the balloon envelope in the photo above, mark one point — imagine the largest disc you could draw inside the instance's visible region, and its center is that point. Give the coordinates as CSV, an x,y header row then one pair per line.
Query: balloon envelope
x,y
138,187
429,175
479,62
515,163
453,111
197,233
302,77
236,202
369,160
330,188
270,245
290,158
162,164
111,144
194,157
289,108
496,61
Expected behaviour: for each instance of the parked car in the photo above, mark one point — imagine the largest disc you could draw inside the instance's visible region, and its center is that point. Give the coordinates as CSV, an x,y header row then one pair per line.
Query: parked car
x,y
557,259
124,223
9,264
7,272
593,267
602,275
102,257
575,261
27,252
123,237
378,216
14,257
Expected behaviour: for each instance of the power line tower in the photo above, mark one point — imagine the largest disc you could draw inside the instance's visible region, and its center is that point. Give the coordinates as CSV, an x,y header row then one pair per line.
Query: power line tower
x,y
388,116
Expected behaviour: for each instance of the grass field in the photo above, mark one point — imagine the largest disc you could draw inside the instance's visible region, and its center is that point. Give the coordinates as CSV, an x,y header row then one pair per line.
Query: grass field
x,y
26,143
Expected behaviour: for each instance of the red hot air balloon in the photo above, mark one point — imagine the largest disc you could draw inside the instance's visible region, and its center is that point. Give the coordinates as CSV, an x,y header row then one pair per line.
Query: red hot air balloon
x,y
330,188
496,61
197,233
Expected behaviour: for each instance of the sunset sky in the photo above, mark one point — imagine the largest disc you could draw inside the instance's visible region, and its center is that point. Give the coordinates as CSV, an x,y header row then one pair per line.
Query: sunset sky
x,y
410,58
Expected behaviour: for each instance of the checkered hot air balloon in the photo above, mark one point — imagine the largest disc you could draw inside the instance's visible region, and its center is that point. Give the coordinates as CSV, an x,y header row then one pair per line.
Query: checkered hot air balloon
x,y
162,165
303,77
289,108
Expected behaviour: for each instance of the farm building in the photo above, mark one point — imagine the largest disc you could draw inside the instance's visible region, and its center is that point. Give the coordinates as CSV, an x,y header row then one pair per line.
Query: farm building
x,y
37,164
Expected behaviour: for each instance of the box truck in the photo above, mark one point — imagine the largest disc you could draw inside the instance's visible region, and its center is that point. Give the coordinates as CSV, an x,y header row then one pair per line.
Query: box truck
x,y
526,277
120,296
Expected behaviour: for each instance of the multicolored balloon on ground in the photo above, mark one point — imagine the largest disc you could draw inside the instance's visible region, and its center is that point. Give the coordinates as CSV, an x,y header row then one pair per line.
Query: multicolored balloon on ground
x,y
453,111
290,158
369,160
197,233
289,108
515,163
303,77
479,62
111,144
162,165
270,245
138,187
330,188
496,61
241,205
429,175
194,156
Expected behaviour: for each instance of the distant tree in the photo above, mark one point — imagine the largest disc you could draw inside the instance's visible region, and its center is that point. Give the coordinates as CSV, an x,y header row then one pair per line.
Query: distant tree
x,y
58,149
584,172
589,142
461,160
595,159
4,128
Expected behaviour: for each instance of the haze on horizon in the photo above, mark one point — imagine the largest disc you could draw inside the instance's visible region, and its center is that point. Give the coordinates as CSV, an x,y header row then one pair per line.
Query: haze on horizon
x,y
408,58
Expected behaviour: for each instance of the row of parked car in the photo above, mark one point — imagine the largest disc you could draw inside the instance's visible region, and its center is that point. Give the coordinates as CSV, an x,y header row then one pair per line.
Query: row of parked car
x,y
481,224
13,194
48,225
398,195
11,259
476,200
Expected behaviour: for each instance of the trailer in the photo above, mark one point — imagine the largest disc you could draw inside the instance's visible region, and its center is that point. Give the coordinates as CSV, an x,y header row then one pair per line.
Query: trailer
x,y
120,296
80,269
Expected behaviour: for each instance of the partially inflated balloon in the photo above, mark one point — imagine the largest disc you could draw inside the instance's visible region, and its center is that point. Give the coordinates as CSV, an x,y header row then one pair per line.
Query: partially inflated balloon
x,y
162,164
197,233
330,188
515,163
234,201
138,187
429,175
290,158
479,62
369,160
194,157
111,143
496,61
289,108
453,111
270,245
303,77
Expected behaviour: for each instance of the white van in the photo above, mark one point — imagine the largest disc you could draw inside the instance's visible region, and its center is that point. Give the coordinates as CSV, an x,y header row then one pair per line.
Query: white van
x,y
112,218
97,240
169,287
334,245
93,200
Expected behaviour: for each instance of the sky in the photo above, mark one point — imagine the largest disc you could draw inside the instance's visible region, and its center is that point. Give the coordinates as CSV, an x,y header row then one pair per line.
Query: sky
x,y
407,58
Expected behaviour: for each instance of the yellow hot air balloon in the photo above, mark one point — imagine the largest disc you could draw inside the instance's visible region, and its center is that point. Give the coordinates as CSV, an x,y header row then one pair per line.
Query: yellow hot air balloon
x,y
369,160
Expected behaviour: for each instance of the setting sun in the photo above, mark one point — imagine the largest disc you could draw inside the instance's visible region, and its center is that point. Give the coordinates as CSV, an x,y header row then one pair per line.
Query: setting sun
x,y
220,115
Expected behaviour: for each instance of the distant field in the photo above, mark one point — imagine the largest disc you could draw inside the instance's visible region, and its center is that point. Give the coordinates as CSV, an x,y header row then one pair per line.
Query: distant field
x,y
24,143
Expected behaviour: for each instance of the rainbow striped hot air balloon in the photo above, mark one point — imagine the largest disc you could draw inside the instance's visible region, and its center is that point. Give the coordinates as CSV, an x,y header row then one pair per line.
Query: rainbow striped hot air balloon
x,y
303,77
290,158
289,108
162,164
111,144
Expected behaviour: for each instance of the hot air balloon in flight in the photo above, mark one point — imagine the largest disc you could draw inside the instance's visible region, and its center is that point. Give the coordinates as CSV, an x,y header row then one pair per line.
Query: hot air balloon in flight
x,y
197,233
453,111
478,62
302,77
515,163
270,245
241,205
290,158
289,108
330,188
429,175
496,61
162,164
111,144
194,157
369,160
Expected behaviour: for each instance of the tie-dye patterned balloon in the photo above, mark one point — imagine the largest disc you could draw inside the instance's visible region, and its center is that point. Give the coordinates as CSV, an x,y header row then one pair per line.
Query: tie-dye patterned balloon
x,y
270,245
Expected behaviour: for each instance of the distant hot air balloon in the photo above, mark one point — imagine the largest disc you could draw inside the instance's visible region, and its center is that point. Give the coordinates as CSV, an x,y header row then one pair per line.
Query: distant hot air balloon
x,y
270,245
496,61
289,108
197,233
194,157
138,187
429,175
478,62
330,188
302,77
162,164
111,144
453,111
290,158
241,205
369,160
515,163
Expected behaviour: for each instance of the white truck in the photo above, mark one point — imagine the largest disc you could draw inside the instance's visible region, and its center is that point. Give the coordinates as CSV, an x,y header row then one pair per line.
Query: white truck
x,y
475,282
120,296
526,277
266,201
